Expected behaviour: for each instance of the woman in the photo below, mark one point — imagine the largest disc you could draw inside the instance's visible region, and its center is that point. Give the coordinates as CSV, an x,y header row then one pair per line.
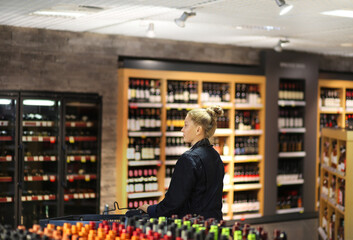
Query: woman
x,y
196,186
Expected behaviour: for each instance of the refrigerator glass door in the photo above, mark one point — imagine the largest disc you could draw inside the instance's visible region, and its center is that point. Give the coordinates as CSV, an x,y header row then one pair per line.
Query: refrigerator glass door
x,y
81,171
39,159
8,117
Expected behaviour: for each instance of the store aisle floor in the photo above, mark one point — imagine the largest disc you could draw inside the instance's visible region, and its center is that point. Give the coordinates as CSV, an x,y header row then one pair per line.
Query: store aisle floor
x,y
296,230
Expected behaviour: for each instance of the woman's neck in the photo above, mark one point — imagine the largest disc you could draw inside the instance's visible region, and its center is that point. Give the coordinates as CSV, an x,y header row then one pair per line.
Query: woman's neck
x,y
197,139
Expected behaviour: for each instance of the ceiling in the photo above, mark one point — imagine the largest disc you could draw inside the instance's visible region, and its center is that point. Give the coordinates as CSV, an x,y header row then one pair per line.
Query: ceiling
x,y
251,23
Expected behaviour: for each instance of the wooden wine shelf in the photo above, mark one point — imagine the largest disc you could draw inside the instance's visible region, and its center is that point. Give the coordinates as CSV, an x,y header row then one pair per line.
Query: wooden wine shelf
x,y
247,216
73,139
145,163
245,179
290,210
291,103
40,158
43,178
83,159
38,139
6,158
226,135
248,132
331,110
4,123
144,195
248,106
79,124
334,171
145,134
247,187
247,158
6,199
145,105
349,110
182,106
68,197
224,105
78,177
38,198
38,123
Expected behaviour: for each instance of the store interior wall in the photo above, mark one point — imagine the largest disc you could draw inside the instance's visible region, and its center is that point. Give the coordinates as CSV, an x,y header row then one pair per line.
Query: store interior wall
x,y
47,60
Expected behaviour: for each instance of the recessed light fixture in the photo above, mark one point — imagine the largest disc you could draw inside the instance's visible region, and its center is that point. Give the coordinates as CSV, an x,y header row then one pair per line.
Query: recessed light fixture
x,y
339,13
34,102
68,11
5,101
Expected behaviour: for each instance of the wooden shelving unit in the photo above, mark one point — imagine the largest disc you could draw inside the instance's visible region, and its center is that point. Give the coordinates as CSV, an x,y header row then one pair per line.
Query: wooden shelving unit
x,y
334,207
341,86
228,135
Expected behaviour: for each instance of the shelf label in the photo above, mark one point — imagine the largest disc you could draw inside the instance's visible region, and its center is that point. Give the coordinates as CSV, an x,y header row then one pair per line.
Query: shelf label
x,y
83,159
80,195
35,158
8,158
8,199
40,198
75,196
87,178
71,139
29,198
29,178
45,178
46,197
52,139
41,158
73,124
40,139
52,178
52,158
93,158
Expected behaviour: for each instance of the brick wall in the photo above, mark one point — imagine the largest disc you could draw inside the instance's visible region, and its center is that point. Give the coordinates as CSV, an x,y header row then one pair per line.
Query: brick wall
x,y
37,59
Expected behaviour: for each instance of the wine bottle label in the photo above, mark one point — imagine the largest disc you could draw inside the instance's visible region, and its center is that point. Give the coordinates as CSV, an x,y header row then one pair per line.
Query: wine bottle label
x,y
130,153
137,156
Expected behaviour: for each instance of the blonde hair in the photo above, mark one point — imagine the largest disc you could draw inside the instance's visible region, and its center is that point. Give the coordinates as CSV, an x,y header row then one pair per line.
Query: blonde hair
x,y
206,118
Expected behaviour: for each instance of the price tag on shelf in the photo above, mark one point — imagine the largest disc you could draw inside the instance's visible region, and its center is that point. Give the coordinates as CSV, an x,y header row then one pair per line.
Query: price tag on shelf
x,y
73,124
66,197
45,178
71,139
75,196
29,198
44,123
41,158
89,124
92,195
81,196
29,139
83,159
8,199
29,178
93,158
8,158
37,124
52,139
40,198
87,178
35,158
23,198
86,195
52,178
40,139
46,197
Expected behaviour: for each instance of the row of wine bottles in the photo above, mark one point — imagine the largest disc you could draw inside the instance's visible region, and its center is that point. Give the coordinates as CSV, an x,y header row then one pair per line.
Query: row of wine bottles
x,y
329,188
143,149
247,120
144,119
182,92
329,225
246,146
144,90
329,97
290,119
291,90
290,143
246,173
290,166
289,199
142,180
247,93
328,120
215,92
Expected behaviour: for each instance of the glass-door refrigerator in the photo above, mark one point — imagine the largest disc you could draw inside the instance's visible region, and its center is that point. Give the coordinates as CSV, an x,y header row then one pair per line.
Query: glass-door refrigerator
x,y
8,153
39,157
81,152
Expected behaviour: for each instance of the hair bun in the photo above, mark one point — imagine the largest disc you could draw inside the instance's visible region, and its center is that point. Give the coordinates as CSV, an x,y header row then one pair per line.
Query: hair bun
x,y
215,111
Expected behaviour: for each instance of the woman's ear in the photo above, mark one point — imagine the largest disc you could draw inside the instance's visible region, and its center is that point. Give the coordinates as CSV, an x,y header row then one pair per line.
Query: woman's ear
x,y
198,130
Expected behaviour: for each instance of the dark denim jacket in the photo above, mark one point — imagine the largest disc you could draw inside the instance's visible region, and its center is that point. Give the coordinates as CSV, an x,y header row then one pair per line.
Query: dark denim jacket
x,y
196,186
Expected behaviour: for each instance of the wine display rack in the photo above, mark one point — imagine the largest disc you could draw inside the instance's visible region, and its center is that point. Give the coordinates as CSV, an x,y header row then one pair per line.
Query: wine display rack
x,y
336,169
291,152
179,93
335,110
49,155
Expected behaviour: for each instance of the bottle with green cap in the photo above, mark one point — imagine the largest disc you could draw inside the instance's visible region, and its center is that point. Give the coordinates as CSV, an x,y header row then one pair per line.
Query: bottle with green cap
x,y
214,228
237,235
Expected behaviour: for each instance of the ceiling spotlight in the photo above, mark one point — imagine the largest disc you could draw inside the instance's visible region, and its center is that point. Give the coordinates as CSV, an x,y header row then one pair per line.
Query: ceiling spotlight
x,y
150,31
279,45
285,8
181,20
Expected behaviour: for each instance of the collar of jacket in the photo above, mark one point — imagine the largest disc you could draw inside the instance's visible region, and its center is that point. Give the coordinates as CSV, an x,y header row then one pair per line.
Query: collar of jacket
x,y
203,142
